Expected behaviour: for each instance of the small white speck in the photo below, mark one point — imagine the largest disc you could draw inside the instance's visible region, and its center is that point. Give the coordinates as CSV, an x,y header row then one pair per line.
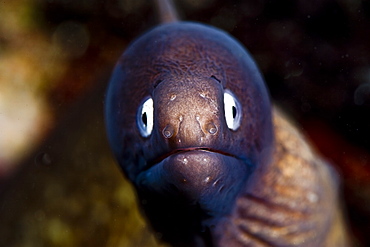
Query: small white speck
x,y
202,95
207,179
173,97
312,197
205,159
185,160
179,140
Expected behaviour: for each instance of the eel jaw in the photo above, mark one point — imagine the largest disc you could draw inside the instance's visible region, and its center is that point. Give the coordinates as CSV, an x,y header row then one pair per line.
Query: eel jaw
x,y
199,175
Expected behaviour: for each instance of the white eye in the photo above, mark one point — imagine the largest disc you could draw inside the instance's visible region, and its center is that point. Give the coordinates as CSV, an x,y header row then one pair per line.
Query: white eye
x,y
233,111
145,117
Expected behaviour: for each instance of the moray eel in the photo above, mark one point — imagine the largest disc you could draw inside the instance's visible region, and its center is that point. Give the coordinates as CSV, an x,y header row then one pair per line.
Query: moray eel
x,y
191,124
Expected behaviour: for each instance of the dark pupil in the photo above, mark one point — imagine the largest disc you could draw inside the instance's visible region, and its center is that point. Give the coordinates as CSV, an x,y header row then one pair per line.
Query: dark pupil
x,y
144,119
234,111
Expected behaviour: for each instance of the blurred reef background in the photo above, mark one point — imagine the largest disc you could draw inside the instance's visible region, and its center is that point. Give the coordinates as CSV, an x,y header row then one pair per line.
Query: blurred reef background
x,y
59,184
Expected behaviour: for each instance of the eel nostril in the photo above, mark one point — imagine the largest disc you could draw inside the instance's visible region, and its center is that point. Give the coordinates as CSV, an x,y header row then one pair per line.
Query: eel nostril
x,y
168,131
211,128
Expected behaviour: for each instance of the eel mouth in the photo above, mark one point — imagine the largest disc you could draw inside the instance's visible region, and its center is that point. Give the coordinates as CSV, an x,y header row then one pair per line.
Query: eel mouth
x,y
183,150
196,175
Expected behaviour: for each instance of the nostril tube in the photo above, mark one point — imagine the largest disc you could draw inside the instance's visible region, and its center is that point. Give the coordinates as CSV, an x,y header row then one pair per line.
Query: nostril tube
x,y
211,128
168,131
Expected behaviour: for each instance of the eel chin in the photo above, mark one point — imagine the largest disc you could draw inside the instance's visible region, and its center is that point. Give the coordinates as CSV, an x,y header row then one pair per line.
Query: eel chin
x,y
199,176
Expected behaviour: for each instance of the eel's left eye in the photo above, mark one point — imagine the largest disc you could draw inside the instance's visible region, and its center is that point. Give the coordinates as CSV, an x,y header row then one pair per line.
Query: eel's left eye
x,y
233,112
145,117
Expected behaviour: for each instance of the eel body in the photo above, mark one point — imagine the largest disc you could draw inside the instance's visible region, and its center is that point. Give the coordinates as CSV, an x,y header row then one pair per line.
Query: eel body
x,y
213,163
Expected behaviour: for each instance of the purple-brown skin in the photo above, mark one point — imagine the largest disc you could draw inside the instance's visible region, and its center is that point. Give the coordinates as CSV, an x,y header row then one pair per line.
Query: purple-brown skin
x,y
200,182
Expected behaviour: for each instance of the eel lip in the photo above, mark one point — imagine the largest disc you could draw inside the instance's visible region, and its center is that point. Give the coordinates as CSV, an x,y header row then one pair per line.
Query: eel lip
x,y
183,150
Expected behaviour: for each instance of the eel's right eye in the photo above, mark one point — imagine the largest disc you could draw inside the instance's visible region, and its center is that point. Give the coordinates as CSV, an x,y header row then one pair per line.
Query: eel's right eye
x,y
145,117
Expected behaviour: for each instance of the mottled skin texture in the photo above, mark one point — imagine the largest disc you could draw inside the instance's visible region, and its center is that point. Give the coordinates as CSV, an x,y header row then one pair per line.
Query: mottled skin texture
x,y
292,201
205,184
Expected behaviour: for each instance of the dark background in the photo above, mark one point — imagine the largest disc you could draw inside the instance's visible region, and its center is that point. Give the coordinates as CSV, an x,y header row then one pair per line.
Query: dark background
x,y
315,57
